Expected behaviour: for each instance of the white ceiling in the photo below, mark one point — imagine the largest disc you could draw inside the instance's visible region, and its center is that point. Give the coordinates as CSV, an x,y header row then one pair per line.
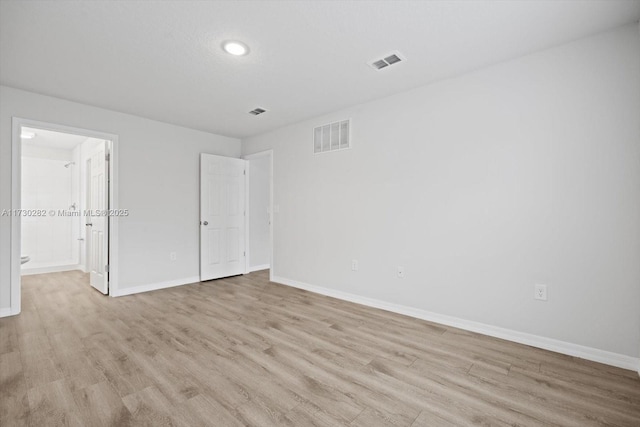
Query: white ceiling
x,y
162,60
51,139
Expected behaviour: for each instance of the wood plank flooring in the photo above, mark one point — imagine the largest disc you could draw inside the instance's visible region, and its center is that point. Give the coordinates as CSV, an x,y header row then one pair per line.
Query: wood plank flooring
x,y
245,351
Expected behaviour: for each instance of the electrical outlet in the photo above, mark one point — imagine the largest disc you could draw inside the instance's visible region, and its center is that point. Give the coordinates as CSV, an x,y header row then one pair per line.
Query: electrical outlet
x,y
540,292
173,256
400,272
354,265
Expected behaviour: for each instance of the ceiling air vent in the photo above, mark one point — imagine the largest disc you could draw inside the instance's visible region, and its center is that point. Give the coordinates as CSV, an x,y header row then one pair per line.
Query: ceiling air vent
x,y
257,111
389,59
380,64
332,136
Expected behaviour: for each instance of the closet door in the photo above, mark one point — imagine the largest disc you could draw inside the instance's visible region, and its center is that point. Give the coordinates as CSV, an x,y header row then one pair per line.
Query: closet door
x,y
222,216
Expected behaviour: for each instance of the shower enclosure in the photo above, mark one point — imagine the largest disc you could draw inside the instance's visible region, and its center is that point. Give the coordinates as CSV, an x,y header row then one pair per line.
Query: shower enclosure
x,y
50,188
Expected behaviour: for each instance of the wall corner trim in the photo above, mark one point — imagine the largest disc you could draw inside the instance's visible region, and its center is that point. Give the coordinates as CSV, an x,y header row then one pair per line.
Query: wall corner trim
x,y
576,350
154,286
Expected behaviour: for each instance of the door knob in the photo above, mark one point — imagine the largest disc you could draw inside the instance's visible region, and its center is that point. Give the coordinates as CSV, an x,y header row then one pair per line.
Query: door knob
x,y
205,223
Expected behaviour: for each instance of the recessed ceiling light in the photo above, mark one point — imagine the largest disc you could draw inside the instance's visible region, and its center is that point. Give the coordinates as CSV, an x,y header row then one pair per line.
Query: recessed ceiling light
x,y
27,135
235,47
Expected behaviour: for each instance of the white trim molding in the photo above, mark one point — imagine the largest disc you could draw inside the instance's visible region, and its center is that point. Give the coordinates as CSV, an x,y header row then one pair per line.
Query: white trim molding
x,y
24,271
6,312
155,286
259,267
576,350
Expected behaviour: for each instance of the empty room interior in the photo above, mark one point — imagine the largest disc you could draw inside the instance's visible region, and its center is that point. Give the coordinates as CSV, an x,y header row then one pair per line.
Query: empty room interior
x,y
320,213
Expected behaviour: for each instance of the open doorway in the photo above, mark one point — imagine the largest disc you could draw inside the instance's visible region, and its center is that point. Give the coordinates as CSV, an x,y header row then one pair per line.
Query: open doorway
x,y
260,211
62,197
51,236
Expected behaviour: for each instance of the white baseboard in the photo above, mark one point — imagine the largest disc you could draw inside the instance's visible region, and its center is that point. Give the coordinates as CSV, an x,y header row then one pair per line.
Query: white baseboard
x,y
154,286
259,267
583,352
5,312
49,269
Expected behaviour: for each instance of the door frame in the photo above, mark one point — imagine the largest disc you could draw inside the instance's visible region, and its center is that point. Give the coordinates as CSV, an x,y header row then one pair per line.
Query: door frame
x,y
17,124
248,158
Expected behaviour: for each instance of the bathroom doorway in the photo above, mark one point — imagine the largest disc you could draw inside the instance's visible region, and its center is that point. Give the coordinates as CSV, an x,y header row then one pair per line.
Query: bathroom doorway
x,y
62,196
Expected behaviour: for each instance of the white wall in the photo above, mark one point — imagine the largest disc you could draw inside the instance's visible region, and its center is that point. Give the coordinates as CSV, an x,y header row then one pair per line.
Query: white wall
x,y
47,185
481,186
75,199
46,153
158,183
78,184
259,187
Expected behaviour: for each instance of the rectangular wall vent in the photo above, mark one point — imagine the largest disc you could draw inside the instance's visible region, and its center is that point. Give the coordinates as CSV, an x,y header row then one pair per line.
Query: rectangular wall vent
x,y
389,59
332,136
257,111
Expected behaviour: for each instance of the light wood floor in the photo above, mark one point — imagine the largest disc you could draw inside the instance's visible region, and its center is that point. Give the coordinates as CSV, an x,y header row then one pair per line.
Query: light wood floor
x,y
244,351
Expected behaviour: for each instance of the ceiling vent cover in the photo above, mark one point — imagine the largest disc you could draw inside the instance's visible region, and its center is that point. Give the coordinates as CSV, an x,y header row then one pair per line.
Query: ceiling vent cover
x,y
388,60
257,111
331,137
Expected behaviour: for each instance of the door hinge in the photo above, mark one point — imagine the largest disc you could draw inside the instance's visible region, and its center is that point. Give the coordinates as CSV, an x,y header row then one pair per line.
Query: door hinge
x,y
244,253
244,172
106,268
107,156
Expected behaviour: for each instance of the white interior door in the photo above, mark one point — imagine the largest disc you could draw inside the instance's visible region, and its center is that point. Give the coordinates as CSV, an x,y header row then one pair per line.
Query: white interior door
x,y
97,221
222,221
